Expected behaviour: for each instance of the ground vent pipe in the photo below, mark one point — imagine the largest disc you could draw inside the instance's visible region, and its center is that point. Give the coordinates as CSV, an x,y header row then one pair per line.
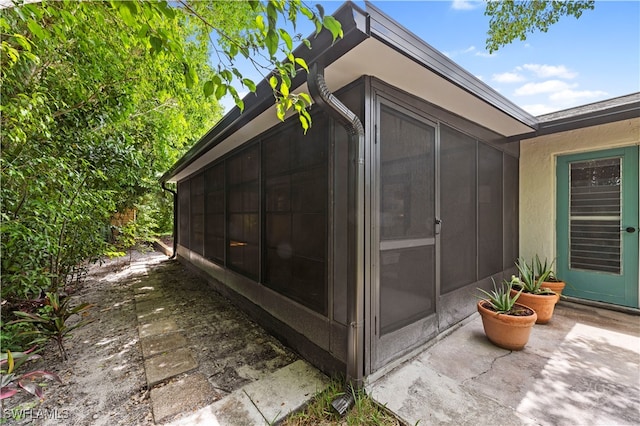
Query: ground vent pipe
x,y
355,291
175,219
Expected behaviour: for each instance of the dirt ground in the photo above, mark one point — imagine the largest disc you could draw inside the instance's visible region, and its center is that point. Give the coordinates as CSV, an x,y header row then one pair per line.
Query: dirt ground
x,y
104,380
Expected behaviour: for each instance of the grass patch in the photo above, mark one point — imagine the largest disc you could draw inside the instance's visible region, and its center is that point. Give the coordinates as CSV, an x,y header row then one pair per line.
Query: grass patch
x,y
319,411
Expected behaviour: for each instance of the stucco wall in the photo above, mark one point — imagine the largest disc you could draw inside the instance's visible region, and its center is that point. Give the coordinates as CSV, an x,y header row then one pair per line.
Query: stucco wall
x,y
538,178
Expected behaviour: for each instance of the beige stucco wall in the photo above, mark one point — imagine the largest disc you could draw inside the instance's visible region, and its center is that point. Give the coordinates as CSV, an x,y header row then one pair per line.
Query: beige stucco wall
x,y
538,178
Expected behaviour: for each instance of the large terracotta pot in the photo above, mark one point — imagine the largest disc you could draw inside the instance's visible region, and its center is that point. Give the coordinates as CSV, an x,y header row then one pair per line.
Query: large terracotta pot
x,y
543,304
507,331
555,286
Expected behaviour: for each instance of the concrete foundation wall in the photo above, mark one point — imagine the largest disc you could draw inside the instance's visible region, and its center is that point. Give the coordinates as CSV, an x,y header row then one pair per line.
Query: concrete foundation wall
x,y
538,178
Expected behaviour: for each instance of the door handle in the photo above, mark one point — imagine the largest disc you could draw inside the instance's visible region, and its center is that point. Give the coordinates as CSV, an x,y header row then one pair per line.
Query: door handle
x,y
438,225
629,229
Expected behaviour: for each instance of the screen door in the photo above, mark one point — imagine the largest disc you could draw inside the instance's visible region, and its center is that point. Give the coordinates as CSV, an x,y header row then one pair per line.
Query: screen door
x,y
405,232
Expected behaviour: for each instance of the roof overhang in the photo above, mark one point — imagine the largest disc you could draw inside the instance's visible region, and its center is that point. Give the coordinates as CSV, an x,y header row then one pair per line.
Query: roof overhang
x,y
373,45
594,114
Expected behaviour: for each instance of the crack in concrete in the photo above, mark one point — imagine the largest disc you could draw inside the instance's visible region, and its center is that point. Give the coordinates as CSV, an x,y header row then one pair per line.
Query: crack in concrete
x,y
464,382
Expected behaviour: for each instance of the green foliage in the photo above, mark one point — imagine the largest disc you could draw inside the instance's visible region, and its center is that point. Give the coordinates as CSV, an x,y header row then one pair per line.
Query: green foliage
x,y
91,115
511,20
528,280
50,323
99,98
544,268
11,383
11,338
500,299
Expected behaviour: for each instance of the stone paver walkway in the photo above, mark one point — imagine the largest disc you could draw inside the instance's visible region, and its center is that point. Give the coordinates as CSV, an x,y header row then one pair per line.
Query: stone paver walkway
x,y
208,363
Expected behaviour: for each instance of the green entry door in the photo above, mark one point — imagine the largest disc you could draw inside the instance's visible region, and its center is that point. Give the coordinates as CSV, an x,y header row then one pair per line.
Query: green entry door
x,y
597,225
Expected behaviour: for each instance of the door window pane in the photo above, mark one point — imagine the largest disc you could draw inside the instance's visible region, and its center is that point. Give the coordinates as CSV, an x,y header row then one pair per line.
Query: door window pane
x,y
595,216
406,286
406,176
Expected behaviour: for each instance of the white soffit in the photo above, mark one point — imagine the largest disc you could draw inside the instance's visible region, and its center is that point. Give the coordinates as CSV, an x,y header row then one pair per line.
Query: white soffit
x,y
374,58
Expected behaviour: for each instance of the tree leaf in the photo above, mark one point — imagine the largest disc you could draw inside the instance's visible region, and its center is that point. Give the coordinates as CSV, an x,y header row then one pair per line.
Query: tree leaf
x,y
271,41
305,97
156,44
260,23
209,88
221,90
36,29
287,39
334,26
302,63
280,111
249,84
304,123
273,81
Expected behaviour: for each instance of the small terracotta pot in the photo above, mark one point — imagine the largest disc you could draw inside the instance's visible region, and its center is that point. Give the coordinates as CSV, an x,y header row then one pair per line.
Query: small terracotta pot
x,y
543,304
507,331
555,286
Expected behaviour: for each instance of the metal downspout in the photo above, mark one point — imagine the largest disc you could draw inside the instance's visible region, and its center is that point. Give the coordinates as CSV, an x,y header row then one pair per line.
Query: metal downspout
x,y
355,291
175,219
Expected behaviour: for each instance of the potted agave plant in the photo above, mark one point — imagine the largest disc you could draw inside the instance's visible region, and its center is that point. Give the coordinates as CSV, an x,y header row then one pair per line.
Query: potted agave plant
x,y
506,323
533,293
552,282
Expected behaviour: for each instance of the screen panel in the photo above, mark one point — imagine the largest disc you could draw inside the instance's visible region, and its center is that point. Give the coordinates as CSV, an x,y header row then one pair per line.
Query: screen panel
x,y
296,191
458,187
490,209
243,208
184,199
214,245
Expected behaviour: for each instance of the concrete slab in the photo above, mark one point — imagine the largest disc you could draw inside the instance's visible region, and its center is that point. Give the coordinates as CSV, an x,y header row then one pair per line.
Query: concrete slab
x,y
234,409
181,396
154,328
266,401
417,392
154,345
286,390
169,364
581,368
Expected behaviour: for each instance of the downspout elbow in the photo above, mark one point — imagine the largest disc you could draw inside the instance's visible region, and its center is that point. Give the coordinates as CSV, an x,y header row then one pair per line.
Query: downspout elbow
x,y
175,219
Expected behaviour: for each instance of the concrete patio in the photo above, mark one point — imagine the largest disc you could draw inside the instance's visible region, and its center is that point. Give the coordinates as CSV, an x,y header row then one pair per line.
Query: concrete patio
x,y
582,368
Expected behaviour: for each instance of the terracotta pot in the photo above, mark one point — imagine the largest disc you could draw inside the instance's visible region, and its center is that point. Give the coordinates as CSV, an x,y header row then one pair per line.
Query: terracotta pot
x,y
507,331
555,286
543,304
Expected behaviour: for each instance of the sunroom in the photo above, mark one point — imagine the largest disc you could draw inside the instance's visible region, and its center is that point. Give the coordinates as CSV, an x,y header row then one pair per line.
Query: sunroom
x,y
362,240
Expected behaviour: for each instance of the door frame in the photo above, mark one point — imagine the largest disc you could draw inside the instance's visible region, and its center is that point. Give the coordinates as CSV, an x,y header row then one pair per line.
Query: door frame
x,y
425,328
630,207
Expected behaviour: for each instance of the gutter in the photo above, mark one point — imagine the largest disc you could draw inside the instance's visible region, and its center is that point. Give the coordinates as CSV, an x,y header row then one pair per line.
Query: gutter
x,y
355,28
355,290
175,219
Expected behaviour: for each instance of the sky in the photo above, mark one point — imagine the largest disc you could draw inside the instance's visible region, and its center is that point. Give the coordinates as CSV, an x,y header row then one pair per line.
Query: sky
x,y
578,61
